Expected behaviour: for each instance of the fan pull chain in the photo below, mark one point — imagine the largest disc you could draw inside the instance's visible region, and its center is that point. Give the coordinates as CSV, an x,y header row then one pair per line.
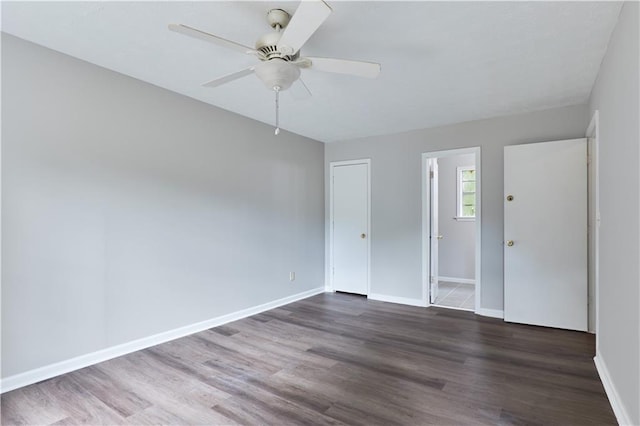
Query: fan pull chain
x,y
277,90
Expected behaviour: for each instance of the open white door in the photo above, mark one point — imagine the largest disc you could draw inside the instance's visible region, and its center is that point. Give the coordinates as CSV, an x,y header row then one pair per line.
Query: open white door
x,y
434,235
545,231
350,227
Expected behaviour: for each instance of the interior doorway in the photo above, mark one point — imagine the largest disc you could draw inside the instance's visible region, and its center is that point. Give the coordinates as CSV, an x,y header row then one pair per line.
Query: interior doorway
x,y
451,228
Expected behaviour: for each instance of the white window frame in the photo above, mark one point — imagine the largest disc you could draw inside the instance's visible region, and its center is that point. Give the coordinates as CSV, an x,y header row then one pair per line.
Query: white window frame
x,y
459,171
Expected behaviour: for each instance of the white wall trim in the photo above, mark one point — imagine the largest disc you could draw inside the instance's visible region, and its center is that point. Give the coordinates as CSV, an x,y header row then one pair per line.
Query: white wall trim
x,y
400,300
424,229
457,280
425,221
62,367
621,414
593,132
329,261
493,313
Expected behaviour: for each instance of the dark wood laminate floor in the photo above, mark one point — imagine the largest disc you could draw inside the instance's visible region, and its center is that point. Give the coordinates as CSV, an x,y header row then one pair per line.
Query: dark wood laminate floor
x,y
336,359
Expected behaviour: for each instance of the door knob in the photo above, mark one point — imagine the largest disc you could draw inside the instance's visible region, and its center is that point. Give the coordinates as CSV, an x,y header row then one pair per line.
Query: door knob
x,y
510,243
363,235
509,197
439,237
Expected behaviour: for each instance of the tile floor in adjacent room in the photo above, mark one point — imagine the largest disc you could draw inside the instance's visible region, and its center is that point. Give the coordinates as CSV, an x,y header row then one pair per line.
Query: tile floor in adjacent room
x,y
456,295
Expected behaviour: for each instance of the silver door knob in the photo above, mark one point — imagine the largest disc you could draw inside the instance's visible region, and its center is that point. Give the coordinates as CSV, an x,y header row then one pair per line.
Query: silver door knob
x,y
439,237
510,243
363,236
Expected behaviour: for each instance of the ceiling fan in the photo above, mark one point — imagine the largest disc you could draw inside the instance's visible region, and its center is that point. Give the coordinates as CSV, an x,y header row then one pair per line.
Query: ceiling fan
x,y
279,51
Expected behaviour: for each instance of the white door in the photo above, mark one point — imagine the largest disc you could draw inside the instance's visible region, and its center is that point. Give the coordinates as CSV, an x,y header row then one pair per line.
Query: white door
x,y
545,232
434,235
350,227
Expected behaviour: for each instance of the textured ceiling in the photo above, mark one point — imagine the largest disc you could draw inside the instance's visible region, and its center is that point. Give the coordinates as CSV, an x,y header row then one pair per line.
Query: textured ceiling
x,y
442,62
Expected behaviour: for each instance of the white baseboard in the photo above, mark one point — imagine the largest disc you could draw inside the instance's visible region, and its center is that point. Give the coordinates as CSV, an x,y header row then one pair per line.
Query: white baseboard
x,y
457,280
62,367
395,299
621,414
493,313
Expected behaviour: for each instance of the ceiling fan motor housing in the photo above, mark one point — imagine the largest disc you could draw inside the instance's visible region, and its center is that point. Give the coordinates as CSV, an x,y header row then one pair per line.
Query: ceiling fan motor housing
x,y
277,73
268,45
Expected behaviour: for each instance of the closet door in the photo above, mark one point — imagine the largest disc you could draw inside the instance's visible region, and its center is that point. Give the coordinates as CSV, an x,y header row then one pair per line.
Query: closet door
x,y
350,227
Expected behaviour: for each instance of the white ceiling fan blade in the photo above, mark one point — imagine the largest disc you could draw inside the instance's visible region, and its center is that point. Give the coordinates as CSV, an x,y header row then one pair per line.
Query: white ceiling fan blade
x,y
345,66
196,33
308,17
229,77
299,91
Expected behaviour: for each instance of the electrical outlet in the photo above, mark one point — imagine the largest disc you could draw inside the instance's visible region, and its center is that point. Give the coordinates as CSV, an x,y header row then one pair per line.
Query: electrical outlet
x,y
292,276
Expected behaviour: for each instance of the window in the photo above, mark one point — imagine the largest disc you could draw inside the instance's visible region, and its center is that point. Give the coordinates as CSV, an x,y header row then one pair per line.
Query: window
x,y
466,192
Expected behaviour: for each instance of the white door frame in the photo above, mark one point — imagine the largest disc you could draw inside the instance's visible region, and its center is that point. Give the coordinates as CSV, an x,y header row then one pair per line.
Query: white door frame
x,y
426,209
593,149
432,167
332,166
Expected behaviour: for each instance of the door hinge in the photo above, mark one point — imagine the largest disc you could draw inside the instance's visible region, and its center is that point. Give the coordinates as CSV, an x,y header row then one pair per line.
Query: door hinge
x,y
431,174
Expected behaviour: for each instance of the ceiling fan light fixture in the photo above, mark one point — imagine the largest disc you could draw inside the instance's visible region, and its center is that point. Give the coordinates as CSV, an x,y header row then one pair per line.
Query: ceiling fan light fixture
x,y
277,73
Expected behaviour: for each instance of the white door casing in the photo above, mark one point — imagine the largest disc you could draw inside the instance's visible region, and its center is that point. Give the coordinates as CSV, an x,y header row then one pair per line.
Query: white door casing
x,y
434,236
350,230
545,232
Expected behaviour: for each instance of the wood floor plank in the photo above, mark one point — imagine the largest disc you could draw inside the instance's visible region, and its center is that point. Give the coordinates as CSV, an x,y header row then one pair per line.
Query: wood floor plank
x,y
336,359
160,385
275,351
80,406
397,395
178,414
112,391
267,408
30,405
382,367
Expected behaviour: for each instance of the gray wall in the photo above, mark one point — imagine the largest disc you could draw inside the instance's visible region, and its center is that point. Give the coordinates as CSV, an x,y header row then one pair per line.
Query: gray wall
x,y
615,95
457,249
129,210
396,193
